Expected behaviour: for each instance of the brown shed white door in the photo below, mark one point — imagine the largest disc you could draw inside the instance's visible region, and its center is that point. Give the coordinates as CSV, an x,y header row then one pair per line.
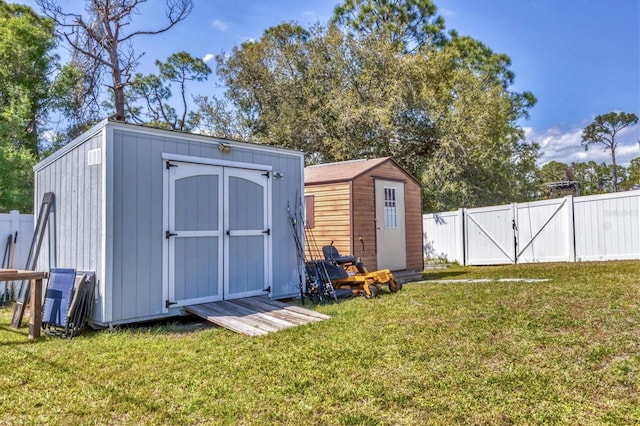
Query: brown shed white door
x,y
390,225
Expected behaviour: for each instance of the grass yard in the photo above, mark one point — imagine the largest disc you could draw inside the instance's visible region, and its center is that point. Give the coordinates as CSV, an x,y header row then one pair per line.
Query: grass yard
x,y
565,351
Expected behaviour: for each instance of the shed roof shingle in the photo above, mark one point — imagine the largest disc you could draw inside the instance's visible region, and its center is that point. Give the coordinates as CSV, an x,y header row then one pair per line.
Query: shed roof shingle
x,y
342,171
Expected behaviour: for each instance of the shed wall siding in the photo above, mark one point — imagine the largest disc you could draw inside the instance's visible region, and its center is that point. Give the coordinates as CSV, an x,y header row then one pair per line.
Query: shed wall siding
x,y
365,221
73,237
332,216
137,226
413,221
138,229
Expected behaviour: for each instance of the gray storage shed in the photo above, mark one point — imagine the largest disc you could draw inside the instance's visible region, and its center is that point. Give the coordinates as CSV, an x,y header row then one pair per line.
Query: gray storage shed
x,y
169,219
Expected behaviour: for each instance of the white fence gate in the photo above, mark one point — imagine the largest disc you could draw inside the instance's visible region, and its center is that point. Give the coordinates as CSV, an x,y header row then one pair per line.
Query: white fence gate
x,y
22,224
599,227
488,237
544,231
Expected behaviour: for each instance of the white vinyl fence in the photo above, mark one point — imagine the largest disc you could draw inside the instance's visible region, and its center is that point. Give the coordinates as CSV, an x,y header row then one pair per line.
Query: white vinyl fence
x,y
18,226
444,236
597,227
617,235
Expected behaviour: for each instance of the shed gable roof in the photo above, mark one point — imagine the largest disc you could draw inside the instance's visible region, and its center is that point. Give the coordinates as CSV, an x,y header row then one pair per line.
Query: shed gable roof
x,y
340,171
345,171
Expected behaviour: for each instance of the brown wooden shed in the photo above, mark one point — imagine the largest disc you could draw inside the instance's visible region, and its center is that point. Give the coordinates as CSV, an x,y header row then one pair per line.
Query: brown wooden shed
x,y
375,202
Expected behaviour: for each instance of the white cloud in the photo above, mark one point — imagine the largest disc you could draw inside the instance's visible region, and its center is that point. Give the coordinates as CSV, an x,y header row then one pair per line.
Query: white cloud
x,y
565,146
446,12
208,57
220,25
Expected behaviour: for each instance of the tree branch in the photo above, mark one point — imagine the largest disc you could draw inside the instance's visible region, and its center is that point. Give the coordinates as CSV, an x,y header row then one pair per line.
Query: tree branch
x,y
177,11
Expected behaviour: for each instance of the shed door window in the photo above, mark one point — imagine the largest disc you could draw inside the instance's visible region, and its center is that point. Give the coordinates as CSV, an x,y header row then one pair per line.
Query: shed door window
x,y
390,208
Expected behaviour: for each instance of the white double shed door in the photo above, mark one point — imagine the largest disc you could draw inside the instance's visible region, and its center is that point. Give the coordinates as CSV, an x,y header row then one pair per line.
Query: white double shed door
x,y
218,232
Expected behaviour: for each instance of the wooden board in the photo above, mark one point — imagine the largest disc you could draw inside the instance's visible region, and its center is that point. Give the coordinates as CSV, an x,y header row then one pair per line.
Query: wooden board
x,y
255,316
35,279
22,297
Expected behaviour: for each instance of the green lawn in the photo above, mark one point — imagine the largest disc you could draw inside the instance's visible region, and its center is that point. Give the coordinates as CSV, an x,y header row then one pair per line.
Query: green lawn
x,y
565,351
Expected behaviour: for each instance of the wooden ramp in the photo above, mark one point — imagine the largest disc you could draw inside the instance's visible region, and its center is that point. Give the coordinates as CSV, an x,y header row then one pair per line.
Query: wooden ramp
x,y
255,316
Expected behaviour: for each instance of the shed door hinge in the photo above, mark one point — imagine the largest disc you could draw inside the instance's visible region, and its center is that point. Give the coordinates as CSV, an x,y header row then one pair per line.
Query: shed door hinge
x,y
169,234
267,174
168,303
267,231
170,165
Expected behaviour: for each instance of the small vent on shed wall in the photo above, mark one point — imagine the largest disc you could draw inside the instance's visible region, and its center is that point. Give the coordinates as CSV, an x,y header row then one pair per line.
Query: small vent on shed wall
x,y
94,157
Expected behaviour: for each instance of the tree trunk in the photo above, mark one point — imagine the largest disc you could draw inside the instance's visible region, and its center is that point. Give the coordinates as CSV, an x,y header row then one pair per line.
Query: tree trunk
x,y
118,96
615,169
118,87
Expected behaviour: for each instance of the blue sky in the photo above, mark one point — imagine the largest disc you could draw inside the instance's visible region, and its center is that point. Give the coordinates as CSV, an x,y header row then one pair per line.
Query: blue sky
x,y
580,58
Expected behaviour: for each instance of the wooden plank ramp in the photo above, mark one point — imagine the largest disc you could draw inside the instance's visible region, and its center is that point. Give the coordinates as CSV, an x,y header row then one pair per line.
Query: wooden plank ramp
x,y
255,316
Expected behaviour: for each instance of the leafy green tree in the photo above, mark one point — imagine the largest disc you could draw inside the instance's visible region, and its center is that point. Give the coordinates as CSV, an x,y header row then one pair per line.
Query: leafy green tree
x,y
622,175
26,40
450,144
632,180
594,178
413,24
340,96
16,179
384,80
481,157
603,130
215,117
156,91
472,54
407,23
102,41
554,171
69,96
288,89
327,93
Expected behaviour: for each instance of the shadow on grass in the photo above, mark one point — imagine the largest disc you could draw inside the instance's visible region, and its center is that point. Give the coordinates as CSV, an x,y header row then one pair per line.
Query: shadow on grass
x,y
11,330
175,325
18,342
105,389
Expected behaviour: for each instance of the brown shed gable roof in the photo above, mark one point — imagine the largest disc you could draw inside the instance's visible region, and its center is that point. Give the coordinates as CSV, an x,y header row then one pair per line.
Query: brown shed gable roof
x,y
344,171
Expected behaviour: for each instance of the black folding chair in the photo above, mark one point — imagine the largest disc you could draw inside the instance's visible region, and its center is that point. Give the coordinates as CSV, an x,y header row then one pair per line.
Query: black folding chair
x,y
68,302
